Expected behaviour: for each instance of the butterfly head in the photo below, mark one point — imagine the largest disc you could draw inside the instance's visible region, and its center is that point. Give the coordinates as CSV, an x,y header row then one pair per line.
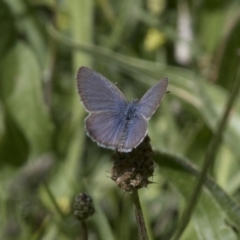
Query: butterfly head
x,y
130,111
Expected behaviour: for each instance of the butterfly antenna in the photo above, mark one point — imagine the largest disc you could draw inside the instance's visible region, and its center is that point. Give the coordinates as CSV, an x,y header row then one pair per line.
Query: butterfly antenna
x,y
121,89
118,86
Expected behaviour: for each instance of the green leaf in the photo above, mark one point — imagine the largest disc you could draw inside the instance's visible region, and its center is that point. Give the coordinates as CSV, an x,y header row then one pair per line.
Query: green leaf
x,y
7,27
180,172
29,27
209,100
229,54
13,144
21,89
209,34
102,223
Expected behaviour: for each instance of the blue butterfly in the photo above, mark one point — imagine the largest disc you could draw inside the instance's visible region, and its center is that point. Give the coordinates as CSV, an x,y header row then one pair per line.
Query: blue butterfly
x,y
113,122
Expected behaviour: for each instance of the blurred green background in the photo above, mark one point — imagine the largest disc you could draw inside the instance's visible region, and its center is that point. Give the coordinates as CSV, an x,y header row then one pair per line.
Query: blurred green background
x,y
46,158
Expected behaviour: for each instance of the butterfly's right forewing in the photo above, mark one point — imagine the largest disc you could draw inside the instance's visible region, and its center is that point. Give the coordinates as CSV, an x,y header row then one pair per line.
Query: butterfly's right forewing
x,y
151,99
97,93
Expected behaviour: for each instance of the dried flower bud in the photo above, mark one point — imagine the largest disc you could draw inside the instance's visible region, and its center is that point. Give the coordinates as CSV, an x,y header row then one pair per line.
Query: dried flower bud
x,y
132,170
83,207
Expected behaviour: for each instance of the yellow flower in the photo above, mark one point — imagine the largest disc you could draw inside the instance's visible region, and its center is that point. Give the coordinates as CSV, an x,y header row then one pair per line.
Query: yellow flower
x,y
154,39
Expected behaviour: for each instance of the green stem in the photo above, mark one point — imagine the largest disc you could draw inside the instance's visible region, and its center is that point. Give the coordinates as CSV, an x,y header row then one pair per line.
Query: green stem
x,y
105,53
52,198
139,216
84,230
209,158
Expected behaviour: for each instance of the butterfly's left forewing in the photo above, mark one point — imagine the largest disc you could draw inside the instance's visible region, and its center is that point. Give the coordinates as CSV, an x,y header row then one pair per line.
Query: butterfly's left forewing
x,y
97,93
105,104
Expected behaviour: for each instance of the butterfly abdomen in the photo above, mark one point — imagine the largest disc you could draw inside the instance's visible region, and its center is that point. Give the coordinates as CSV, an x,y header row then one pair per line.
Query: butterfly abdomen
x,y
129,115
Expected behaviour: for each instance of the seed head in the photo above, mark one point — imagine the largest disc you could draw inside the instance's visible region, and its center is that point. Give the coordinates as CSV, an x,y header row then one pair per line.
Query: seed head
x,y
132,170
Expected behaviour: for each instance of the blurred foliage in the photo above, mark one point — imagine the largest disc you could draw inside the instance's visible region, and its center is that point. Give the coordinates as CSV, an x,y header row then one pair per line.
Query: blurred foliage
x,y
45,157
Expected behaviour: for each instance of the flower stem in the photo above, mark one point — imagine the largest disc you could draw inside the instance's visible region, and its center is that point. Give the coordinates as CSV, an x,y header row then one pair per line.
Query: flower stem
x,y
53,200
139,216
84,230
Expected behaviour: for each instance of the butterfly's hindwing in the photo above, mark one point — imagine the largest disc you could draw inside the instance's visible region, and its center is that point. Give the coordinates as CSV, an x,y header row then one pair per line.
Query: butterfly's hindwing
x,y
105,128
134,132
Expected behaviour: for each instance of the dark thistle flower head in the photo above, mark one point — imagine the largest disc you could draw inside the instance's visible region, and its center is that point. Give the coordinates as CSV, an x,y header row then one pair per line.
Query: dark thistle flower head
x,y
83,207
132,170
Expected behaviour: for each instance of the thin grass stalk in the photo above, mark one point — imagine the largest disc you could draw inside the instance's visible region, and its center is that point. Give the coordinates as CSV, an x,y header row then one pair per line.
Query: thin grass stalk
x,y
209,158
53,200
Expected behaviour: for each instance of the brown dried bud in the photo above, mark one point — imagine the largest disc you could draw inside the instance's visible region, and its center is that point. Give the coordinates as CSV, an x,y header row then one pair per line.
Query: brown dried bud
x,y
132,170
83,207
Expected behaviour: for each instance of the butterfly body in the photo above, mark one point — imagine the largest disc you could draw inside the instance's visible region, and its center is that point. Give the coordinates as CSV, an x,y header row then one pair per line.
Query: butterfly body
x,y
130,111
113,122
